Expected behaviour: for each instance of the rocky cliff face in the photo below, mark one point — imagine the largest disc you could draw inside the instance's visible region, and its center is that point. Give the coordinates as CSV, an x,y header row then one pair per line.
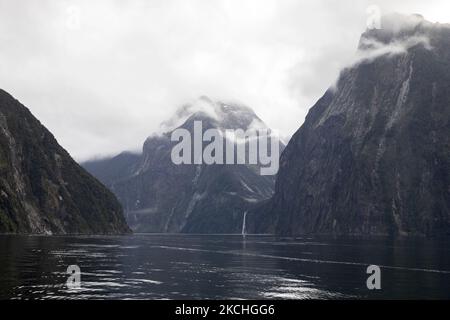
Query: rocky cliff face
x,y
373,156
160,196
44,191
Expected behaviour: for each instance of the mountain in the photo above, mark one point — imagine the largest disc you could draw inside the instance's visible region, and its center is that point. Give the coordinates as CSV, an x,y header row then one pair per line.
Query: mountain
x,y
42,189
373,155
160,196
114,169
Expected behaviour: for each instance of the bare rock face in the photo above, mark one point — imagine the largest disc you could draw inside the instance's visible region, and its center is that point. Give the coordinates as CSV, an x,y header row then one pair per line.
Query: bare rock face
x,y
42,189
373,156
160,196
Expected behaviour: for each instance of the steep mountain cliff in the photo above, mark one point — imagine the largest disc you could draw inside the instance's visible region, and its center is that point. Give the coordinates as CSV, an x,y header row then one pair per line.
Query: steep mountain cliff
x,y
44,191
373,156
160,196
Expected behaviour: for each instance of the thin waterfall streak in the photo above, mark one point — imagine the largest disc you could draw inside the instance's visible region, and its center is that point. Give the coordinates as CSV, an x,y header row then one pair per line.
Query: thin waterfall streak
x,y
243,224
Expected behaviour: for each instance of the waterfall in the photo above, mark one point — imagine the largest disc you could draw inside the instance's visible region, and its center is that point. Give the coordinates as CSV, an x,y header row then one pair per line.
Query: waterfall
x,y
243,223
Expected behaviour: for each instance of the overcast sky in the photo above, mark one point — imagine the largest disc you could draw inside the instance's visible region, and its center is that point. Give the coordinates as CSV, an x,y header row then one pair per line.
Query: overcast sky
x,y
101,75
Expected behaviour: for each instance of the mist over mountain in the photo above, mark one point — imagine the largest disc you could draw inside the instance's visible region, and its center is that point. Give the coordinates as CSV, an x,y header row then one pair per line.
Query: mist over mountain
x,y
373,156
42,189
160,196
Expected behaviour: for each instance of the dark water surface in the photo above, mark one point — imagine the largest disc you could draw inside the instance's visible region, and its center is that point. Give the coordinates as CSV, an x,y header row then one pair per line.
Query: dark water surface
x,y
146,266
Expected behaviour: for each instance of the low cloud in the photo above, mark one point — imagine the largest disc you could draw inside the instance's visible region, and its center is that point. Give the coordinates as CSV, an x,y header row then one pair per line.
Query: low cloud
x,y
102,75
373,49
201,105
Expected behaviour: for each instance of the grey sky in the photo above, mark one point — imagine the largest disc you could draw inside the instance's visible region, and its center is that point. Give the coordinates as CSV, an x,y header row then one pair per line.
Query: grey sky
x,y
102,75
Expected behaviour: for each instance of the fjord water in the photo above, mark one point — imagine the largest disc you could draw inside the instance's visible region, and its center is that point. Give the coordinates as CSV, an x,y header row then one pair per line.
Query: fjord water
x,y
155,266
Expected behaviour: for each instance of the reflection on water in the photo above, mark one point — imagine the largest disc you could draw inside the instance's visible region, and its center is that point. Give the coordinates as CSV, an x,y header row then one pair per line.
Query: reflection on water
x,y
146,266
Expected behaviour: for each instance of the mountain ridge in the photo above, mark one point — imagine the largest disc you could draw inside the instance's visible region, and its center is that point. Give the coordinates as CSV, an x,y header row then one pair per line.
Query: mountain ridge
x,y
160,196
42,189
373,154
